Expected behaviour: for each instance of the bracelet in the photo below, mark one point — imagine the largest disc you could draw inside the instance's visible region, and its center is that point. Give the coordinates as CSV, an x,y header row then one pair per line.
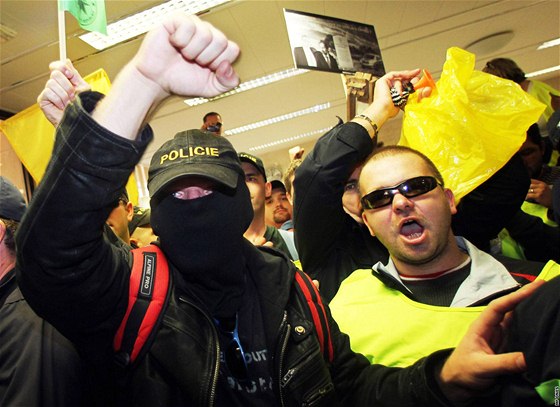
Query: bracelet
x,y
373,125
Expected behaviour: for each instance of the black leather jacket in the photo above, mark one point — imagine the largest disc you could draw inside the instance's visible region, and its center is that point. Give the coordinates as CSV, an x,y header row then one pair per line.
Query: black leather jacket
x,y
76,279
39,367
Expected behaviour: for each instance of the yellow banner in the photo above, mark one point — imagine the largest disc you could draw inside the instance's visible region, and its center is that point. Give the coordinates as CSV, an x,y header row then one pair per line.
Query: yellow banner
x,y
32,136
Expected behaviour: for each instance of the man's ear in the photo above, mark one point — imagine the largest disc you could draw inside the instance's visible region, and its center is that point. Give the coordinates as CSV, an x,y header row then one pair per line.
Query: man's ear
x,y
267,189
451,199
129,211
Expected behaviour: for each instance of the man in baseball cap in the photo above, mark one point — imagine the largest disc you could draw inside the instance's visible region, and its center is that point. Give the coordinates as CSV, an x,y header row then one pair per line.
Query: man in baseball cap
x,y
258,232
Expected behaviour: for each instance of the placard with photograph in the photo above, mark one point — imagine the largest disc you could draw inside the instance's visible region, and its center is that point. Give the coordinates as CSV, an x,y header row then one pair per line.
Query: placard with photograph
x,y
332,44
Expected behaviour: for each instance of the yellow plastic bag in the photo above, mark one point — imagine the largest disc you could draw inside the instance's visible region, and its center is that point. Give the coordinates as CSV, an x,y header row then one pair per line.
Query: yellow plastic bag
x,y
471,125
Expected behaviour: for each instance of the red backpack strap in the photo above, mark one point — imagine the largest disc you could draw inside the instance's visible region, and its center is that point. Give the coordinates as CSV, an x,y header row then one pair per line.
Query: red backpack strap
x,y
305,286
148,292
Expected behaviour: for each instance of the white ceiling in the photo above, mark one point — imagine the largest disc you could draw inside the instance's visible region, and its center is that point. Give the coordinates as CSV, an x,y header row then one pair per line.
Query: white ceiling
x,y
411,34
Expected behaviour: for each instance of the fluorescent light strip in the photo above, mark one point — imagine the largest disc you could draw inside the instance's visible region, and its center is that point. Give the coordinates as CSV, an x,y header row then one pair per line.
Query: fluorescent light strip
x,y
542,71
549,44
252,84
139,23
277,119
290,139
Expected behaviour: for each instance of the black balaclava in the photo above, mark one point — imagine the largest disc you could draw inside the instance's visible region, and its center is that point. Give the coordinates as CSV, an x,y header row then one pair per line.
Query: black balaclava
x,y
203,239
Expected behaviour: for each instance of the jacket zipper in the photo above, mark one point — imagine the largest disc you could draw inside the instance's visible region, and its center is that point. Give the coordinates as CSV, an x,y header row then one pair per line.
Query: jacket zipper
x,y
214,383
284,335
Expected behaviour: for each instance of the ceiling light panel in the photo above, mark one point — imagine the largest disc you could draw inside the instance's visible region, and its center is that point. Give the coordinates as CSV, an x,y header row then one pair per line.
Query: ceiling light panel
x,y
542,71
290,139
278,119
548,44
140,23
252,84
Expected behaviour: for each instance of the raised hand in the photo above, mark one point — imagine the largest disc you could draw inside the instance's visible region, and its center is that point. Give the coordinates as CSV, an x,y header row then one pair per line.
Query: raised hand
x,y
540,192
64,84
183,56
476,362
186,56
382,108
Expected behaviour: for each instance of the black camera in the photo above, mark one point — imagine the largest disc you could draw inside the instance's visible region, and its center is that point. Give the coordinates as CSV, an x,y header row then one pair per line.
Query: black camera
x,y
215,128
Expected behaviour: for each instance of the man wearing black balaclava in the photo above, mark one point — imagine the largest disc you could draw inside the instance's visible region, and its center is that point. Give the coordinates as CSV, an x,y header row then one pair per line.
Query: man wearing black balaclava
x,y
200,209
233,331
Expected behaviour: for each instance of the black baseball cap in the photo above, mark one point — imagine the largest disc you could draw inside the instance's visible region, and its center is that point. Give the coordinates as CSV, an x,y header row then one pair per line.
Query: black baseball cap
x,y
277,184
194,152
256,161
12,204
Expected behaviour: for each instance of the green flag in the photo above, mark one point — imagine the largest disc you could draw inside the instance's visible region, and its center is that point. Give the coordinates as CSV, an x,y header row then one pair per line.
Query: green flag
x,y
89,13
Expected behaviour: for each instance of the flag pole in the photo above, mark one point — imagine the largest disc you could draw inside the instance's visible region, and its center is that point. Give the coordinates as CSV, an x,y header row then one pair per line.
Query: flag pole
x,y
61,36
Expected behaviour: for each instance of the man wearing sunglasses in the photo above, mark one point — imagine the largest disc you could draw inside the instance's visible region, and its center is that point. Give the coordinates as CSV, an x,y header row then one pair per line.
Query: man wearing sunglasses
x,y
434,283
229,302
212,122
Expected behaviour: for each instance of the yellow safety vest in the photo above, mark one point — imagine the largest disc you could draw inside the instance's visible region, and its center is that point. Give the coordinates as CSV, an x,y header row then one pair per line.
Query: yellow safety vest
x,y
391,329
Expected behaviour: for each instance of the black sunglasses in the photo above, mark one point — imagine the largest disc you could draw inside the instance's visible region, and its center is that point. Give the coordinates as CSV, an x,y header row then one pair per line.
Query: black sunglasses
x,y
410,188
234,355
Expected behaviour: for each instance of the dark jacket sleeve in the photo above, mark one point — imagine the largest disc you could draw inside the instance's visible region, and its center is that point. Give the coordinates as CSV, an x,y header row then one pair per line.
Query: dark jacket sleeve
x,y
535,331
486,210
68,271
324,232
540,242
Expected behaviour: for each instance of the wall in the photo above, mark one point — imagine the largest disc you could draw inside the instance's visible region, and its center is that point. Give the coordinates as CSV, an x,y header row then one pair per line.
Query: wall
x,y
10,165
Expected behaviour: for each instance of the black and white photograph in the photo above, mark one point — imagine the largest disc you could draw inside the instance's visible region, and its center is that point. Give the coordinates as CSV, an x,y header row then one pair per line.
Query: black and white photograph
x,y
332,44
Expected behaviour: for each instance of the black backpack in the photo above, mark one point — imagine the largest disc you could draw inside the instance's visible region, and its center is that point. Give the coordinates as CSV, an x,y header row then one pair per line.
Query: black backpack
x,y
149,293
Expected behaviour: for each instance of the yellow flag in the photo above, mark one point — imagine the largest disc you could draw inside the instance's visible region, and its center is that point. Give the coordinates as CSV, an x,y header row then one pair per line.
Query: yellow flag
x,y
32,136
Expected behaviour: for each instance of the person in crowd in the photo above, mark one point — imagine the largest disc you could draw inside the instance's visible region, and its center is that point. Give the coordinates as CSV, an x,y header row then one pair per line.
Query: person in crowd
x,y
532,232
258,232
213,123
226,294
140,228
38,366
278,214
278,209
432,278
542,175
508,69
119,218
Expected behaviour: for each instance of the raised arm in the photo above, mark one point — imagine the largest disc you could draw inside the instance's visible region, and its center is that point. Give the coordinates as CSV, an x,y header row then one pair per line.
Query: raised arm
x,y
184,56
